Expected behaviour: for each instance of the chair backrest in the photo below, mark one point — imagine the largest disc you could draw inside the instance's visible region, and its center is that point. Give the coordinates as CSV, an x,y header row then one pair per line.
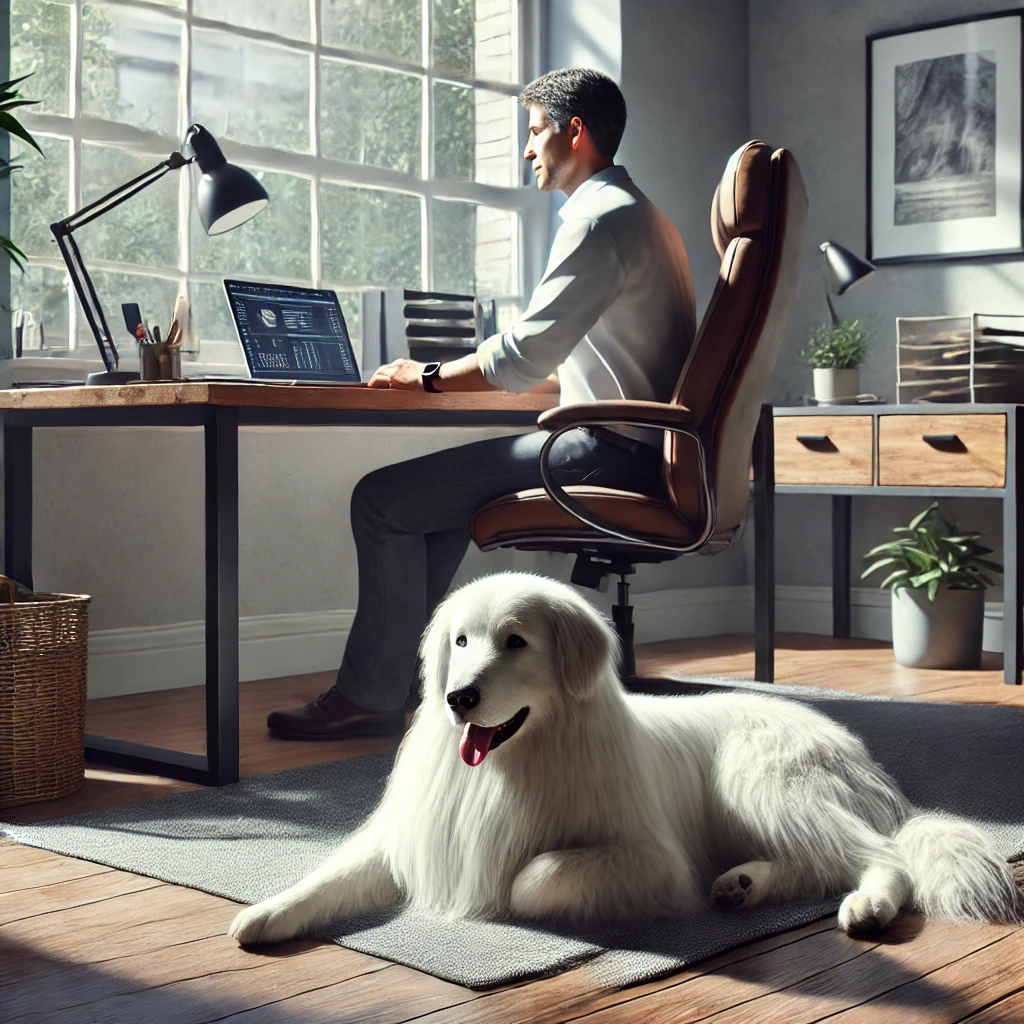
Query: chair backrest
x,y
757,223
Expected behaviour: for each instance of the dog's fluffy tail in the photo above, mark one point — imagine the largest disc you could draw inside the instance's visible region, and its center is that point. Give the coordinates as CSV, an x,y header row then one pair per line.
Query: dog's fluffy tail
x,y
956,871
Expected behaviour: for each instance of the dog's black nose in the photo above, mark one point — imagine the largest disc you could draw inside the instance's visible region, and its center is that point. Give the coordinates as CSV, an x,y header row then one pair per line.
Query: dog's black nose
x,y
463,700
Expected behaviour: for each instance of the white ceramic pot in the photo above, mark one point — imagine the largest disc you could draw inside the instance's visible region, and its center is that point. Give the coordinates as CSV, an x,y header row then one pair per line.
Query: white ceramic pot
x,y
944,633
830,385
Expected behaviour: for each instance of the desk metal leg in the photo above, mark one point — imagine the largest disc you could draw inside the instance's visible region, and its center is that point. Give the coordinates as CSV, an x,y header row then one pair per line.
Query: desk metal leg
x,y
1013,626
221,435
842,518
219,765
764,548
17,456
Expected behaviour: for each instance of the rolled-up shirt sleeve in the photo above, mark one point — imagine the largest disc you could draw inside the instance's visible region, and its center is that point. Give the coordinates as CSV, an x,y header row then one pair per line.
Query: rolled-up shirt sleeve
x,y
583,277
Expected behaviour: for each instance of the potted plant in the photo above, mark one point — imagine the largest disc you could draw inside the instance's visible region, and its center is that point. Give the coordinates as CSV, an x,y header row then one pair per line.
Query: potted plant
x,y
937,575
835,351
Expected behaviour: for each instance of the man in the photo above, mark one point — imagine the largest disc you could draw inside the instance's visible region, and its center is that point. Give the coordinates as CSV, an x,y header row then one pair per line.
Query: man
x,y
612,317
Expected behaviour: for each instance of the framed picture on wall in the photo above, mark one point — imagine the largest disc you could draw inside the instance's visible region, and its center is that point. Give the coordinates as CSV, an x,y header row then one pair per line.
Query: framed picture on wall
x,y
944,140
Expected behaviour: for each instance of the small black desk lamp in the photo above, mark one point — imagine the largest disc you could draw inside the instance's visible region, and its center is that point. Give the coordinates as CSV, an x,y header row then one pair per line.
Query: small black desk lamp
x,y
227,196
847,270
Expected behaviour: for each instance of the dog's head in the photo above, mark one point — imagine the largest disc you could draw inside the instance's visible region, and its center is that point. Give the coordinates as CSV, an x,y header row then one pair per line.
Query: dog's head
x,y
508,653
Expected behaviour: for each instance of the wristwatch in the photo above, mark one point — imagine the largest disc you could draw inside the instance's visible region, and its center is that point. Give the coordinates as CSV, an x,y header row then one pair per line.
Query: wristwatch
x,y
430,372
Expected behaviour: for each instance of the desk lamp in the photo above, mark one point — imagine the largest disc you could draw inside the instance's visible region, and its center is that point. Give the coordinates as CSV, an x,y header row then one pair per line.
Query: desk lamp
x,y
847,270
227,196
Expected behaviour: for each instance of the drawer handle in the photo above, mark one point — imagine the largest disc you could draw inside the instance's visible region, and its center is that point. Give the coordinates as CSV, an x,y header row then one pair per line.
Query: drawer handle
x,y
944,442
817,442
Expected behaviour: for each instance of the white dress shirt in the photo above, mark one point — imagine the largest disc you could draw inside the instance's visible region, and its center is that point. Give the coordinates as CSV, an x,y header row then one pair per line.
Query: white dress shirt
x,y
614,312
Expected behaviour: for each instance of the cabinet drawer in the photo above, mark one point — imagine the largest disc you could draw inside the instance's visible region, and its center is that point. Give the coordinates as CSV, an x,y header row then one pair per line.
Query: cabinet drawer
x,y
823,450
951,451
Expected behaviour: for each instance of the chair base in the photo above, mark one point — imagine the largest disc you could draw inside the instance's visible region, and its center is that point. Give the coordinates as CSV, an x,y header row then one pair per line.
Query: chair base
x,y
590,571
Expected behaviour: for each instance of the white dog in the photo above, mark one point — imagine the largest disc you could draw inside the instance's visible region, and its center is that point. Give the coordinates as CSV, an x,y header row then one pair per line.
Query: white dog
x,y
532,785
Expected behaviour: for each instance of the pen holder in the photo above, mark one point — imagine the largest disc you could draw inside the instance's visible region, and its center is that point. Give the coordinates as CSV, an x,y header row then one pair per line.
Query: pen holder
x,y
160,361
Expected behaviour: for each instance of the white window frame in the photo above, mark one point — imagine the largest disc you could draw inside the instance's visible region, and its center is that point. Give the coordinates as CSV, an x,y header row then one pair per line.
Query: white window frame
x,y
531,208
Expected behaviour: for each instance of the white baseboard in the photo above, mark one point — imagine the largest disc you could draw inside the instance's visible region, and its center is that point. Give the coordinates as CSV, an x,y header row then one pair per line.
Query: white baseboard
x,y
145,658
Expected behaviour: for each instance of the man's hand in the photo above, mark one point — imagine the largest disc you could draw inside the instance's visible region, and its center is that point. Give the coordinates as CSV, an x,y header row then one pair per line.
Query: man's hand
x,y
401,375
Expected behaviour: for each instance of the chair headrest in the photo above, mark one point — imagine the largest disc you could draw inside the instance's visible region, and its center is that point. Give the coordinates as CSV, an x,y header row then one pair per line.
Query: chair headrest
x,y
741,202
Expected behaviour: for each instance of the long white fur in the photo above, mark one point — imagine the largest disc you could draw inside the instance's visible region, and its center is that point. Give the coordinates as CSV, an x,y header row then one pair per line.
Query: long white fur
x,y
607,805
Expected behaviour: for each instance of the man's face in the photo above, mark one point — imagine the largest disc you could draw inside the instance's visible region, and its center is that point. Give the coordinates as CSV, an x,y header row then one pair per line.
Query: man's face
x,y
549,152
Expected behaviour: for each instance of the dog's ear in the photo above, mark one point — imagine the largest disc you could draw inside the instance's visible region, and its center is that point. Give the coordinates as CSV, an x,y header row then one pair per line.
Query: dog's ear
x,y
585,644
435,648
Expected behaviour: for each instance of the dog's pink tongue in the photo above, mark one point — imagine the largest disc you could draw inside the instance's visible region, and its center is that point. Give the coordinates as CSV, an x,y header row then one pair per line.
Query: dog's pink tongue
x,y
475,742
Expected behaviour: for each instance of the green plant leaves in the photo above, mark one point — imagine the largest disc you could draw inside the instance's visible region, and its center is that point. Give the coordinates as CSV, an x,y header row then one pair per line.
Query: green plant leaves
x,y
17,257
931,552
841,346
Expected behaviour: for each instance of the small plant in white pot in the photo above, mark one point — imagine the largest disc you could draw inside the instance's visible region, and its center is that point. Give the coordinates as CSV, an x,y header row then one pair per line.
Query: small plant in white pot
x,y
835,351
937,575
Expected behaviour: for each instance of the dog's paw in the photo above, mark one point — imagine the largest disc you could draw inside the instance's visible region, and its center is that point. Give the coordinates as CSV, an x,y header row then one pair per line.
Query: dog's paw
x,y
862,911
271,921
745,886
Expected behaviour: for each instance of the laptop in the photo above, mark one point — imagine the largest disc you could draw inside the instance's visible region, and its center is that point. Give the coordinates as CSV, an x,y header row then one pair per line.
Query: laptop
x,y
291,335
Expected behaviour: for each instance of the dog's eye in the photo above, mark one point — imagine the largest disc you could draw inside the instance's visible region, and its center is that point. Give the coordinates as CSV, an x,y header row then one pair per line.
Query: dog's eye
x,y
515,640
460,641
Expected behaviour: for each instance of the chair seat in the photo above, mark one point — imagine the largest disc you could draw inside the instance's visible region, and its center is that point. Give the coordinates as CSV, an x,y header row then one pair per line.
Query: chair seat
x,y
531,515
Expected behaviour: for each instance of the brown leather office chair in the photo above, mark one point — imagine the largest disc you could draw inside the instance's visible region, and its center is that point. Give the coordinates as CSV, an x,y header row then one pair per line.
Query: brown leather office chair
x,y
757,223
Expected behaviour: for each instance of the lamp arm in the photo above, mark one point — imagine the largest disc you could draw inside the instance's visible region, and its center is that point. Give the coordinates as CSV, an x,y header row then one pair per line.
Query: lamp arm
x,y
114,198
77,271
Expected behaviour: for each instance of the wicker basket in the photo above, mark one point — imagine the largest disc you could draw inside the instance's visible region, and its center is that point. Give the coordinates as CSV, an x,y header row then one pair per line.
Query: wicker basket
x,y
43,653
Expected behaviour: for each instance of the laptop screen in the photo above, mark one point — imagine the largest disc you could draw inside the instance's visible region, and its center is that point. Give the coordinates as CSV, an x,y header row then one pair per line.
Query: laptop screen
x,y
291,333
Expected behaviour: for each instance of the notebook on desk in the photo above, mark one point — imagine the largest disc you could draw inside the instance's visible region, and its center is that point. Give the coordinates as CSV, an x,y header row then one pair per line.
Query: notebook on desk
x,y
290,335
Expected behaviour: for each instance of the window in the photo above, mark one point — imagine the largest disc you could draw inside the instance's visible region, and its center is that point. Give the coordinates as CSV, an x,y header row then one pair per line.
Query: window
x,y
385,132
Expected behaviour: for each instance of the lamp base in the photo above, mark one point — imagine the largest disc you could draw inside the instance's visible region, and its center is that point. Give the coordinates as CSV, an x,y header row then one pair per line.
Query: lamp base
x,y
108,378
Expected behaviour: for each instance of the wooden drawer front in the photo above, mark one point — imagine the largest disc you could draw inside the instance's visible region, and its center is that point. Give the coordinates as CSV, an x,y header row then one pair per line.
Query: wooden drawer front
x,y
823,450
943,451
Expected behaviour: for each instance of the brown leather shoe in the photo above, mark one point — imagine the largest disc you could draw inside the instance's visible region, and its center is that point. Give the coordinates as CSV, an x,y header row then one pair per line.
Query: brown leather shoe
x,y
333,717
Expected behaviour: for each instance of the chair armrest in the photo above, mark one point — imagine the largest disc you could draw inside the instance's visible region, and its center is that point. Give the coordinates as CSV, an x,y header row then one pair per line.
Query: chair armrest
x,y
655,414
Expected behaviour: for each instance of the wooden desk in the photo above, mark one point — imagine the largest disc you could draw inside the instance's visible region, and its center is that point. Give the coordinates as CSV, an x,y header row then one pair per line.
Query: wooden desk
x,y
929,451
220,409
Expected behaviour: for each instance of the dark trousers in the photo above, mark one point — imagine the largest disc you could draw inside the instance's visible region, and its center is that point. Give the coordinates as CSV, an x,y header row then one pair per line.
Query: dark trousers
x,y
411,522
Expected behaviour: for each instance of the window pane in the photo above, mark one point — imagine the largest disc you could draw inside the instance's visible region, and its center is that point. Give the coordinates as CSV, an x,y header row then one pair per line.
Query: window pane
x,y
370,238
275,243
39,194
43,292
282,17
371,117
474,135
130,67
475,249
454,241
250,92
210,313
144,229
475,39
41,43
155,296
390,28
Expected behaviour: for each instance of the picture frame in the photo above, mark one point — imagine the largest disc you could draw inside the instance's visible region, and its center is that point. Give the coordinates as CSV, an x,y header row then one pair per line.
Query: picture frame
x,y
944,140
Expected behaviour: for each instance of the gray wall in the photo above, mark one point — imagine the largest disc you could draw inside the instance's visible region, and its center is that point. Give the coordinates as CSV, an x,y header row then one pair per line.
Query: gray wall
x,y
807,92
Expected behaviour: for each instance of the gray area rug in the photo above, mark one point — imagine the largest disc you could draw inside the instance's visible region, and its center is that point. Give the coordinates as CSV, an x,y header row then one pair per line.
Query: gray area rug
x,y
250,840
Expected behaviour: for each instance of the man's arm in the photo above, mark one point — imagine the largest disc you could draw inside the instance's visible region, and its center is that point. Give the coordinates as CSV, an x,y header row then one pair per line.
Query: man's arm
x,y
581,281
457,375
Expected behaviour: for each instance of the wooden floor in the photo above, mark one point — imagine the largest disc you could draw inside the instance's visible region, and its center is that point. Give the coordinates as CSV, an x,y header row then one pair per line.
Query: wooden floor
x,y
83,943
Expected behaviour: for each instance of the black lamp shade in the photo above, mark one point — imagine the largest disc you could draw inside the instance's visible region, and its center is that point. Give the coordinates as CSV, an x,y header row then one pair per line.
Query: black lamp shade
x,y
847,269
227,195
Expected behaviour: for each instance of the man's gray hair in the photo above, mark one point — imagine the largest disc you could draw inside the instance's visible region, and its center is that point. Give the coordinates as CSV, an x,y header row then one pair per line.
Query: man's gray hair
x,y
581,92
